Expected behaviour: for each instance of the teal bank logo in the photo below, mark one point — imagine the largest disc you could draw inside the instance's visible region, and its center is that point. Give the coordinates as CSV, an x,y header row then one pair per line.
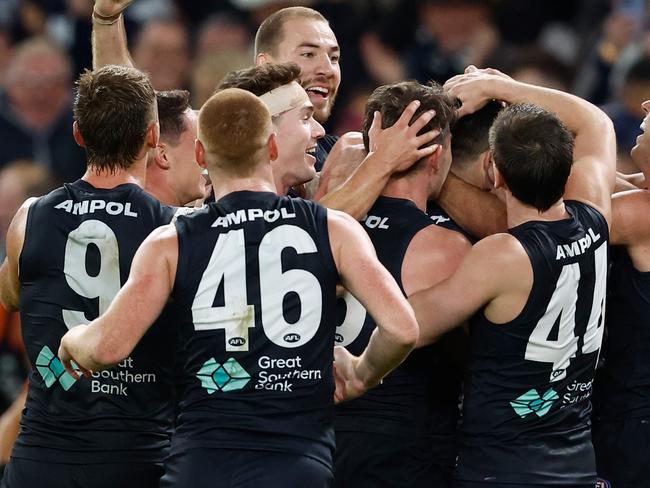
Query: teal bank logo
x,y
531,402
229,376
50,368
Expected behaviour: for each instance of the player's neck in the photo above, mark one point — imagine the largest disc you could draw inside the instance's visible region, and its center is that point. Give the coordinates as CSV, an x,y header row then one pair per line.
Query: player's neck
x,y
410,188
136,174
518,213
251,183
159,187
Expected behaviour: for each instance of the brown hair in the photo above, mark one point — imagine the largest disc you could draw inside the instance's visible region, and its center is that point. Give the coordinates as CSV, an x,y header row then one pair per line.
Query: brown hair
x,y
234,125
261,79
271,33
533,151
391,100
172,105
113,108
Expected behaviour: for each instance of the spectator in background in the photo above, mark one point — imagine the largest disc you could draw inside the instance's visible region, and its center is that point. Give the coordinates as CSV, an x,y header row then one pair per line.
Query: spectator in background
x,y
210,69
626,111
223,33
162,49
35,112
450,34
20,180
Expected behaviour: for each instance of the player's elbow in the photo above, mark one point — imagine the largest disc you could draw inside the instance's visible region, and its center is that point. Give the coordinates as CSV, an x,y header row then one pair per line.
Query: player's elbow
x,y
408,334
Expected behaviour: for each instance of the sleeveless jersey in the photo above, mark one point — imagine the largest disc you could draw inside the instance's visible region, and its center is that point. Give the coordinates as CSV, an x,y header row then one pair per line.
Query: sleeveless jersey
x,y
622,387
418,398
255,294
323,147
442,219
526,409
79,244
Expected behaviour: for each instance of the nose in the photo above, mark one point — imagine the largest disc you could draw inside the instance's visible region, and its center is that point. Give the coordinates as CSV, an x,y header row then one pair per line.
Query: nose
x,y
317,130
325,66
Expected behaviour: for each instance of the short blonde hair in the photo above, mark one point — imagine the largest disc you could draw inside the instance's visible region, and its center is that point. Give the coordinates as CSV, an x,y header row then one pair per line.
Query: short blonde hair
x,y
234,127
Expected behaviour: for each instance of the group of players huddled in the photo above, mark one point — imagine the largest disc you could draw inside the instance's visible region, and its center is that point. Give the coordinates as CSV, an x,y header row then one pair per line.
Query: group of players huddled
x,y
342,313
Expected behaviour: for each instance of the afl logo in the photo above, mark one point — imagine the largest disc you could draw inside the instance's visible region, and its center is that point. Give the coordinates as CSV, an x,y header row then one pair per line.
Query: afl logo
x,y
291,338
236,341
601,483
338,338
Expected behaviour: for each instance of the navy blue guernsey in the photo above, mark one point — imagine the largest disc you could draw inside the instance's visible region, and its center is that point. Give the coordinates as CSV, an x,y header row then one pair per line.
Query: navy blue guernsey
x,y
255,293
323,147
526,411
417,398
622,388
442,219
79,244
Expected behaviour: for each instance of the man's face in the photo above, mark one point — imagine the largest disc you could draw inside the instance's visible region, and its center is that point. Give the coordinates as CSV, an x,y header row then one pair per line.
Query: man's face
x,y
185,175
297,134
312,45
641,151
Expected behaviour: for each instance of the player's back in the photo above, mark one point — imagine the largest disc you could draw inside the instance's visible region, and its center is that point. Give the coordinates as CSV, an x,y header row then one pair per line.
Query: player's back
x,y
527,392
417,404
79,243
255,297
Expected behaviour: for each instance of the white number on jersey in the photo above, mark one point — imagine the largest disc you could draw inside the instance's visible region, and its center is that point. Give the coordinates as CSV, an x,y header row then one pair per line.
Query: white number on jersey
x,y
228,265
562,308
106,283
355,316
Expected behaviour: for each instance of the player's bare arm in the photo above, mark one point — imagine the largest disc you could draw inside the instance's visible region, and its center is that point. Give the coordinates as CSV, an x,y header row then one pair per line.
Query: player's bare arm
x,y
433,255
363,275
112,336
593,174
392,149
631,225
490,275
109,35
9,277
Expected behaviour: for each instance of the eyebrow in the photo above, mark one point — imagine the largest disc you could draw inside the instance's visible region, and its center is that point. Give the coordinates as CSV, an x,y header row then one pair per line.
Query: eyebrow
x,y
318,46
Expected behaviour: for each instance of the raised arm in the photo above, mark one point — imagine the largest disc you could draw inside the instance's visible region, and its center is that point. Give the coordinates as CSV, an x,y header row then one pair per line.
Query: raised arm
x,y
363,275
9,271
393,149
111,337
109,35
593,174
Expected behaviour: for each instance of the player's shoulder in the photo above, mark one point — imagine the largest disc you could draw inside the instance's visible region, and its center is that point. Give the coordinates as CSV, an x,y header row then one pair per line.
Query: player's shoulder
x,y
630,217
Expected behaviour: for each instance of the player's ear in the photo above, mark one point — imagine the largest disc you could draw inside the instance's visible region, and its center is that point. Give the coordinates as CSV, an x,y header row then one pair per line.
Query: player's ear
x,y
262,58
435,159
78,138
153,134
498,178
199,152
272,145
487,172
160,156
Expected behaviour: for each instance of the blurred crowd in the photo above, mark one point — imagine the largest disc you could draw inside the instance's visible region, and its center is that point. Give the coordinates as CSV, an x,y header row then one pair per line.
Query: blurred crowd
x,y
597,49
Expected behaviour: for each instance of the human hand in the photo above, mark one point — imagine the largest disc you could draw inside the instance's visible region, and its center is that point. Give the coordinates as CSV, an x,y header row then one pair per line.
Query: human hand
x,y
111,8
346,155
399,146
348,383
474,88
65,354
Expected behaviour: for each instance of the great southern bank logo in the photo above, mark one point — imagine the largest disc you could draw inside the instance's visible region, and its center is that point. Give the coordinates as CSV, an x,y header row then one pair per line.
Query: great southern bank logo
x,y
51,369
228,376
531,402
